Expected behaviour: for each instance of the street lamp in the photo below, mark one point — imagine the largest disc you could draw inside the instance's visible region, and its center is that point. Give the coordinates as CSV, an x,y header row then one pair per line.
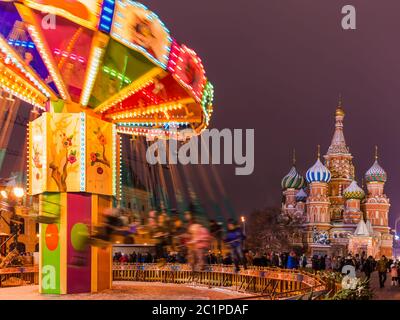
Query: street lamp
x,y
4,194
18,192
243,219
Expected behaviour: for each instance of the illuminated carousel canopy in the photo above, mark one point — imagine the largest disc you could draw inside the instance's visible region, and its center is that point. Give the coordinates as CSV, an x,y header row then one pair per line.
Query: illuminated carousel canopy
x,y
114,59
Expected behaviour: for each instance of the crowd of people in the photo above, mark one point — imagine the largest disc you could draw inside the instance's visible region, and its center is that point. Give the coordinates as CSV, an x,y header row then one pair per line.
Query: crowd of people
x,y
188,241
177,240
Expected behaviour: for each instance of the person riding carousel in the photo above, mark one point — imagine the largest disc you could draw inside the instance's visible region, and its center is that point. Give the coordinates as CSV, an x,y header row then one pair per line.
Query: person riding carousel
x,y
116,222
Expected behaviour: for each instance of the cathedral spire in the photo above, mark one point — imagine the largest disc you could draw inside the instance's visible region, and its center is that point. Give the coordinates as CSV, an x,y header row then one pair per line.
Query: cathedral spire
x,y
338,144
339,108
294,156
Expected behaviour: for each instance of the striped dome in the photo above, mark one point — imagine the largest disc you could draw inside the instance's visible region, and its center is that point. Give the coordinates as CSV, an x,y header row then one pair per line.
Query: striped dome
x,y
353,191
293,180
301,195
318,173
376,173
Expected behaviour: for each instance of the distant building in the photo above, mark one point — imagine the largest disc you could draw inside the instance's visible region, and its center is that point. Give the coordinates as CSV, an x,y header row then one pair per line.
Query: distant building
x,y
27,238
334,214
134,195
136,200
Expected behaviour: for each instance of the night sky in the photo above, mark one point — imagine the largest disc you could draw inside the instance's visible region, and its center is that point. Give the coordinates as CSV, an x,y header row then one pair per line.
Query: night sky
x,y
278,66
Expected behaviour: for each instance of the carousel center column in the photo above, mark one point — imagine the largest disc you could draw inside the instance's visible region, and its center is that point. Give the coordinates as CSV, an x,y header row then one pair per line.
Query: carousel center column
x,y
72,169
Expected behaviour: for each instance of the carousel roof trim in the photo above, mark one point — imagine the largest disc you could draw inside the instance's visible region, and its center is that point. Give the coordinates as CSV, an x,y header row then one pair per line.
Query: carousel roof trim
x,y
106,23
152,109
130,90
25,91
98,50
26,69
63,13
42,46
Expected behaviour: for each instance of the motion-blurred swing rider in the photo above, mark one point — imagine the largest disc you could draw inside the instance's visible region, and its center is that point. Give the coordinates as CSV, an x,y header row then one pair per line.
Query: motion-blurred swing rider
x,y
116,222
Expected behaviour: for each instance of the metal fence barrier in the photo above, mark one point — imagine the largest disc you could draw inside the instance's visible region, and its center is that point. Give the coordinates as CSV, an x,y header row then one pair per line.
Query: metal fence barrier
x,y
12,277
266,283
259,282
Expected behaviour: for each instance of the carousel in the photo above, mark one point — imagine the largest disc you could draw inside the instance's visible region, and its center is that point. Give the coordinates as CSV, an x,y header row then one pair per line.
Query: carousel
x,y
92,70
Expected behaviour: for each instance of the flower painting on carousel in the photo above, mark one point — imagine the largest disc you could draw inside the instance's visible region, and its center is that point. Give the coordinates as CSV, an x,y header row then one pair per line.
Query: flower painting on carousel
x,y
99,155
140,29
72,152
63,141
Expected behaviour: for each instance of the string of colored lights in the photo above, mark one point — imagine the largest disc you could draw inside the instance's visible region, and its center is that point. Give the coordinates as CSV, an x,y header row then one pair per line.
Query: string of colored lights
x,y
120,169
19,87
93,69
114,159
177,105
149,132
151,124
106,16
21,43
207,100
83,152
16,60
72,56
164,119
137,85
115,74
28,157
48,61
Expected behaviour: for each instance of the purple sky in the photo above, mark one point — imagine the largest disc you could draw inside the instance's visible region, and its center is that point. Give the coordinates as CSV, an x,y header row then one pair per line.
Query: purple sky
x,y
279,65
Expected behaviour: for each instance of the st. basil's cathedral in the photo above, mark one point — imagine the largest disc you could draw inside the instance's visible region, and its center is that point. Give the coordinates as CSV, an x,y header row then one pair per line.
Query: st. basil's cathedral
x,y
334,215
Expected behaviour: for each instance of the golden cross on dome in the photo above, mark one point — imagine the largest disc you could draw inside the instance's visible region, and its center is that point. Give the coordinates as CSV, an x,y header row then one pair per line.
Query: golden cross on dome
x,y
294,156
376,152
319,152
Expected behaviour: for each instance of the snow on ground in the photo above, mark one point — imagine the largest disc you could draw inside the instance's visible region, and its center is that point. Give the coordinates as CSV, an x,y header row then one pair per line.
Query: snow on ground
x,y
124,290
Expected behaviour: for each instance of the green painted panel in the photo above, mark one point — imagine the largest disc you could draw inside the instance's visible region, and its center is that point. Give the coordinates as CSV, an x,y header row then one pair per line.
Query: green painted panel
x,y
120,66
50,245
58,106
2,156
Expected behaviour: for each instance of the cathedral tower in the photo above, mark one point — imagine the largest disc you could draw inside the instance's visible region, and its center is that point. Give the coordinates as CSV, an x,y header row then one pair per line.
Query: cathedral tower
x,y
377,205
339,161
318,217
291,184
352,212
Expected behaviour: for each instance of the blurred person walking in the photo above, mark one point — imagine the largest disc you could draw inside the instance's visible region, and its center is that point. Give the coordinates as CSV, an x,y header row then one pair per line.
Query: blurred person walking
x,y
382,270
198,242
292,262
234,239
368,267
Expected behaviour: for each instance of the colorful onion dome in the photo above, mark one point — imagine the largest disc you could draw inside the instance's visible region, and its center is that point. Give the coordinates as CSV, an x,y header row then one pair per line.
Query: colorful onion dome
x,y
301,195
318,173
353,191
293,180
376,173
